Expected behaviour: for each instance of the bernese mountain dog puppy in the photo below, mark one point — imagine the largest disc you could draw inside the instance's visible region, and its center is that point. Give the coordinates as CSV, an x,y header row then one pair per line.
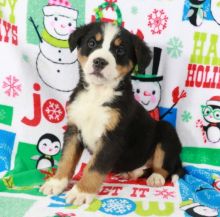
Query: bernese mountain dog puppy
x,y
104,117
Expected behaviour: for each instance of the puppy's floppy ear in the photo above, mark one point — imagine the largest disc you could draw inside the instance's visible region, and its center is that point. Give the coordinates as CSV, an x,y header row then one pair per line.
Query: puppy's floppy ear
x,y
77,36
142,52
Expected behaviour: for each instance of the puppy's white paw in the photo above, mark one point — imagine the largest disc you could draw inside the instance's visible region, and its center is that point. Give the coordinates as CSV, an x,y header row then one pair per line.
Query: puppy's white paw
x,y
54,186
155,180
78,198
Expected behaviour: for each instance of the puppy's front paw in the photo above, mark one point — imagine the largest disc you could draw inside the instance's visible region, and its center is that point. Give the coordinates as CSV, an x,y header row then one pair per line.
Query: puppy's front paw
x,y
76,197
156,180
54,186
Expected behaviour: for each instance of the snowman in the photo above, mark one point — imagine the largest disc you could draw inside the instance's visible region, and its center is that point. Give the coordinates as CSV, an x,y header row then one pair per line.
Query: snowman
x,y
211,113
215,9
147,88
56,65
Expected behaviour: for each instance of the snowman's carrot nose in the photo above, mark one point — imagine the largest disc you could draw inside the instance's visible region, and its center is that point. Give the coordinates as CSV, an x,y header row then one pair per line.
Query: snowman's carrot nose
x,y
146,93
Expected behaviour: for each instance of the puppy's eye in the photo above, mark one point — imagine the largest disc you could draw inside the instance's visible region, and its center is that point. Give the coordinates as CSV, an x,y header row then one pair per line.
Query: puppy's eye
x,y
55,18
138,91
120,51
92,43
153,92
69,24
44,144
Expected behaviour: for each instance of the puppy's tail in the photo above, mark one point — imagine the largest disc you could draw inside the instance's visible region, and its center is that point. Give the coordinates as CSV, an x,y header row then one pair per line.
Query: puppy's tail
x,y
179,174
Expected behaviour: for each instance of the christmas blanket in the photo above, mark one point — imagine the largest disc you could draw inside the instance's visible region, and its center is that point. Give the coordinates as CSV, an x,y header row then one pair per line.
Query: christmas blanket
x,y
181,85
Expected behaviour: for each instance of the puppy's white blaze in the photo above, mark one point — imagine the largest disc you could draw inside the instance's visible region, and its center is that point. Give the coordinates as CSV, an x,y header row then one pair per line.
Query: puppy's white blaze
x,y
109,72
110,31
105,54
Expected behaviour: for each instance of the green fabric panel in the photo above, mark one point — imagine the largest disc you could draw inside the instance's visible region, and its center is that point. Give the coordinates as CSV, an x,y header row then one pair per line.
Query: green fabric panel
x,y
24,154
24,182
201,155
25,178
6,114
14,207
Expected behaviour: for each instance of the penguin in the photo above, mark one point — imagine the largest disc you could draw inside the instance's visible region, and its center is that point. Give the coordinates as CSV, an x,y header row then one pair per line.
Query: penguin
x,y
48,146
197,210
211,114
196,13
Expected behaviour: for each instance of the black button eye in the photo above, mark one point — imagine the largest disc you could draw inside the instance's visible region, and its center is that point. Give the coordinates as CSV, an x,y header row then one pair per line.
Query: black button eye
x,y
138,91
55,18
92,43
69,24
153,92
120,51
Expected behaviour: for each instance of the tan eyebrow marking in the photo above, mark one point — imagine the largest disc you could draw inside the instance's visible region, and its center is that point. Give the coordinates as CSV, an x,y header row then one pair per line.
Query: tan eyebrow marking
x,y
98,36
117,41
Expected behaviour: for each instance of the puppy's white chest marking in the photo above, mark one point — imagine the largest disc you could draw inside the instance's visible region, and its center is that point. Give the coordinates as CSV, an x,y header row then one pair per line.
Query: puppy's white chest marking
x,y
89,115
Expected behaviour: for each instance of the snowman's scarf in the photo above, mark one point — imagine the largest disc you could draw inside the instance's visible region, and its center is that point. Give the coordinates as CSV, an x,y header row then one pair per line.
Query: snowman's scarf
x,y
54,41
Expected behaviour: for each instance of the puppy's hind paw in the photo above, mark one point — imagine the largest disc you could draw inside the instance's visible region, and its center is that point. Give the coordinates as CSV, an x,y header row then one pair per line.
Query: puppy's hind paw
x,y
54,186
156,180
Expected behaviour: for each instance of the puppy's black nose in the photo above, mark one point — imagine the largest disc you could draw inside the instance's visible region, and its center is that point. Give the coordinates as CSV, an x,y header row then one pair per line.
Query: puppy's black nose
x,y
99,63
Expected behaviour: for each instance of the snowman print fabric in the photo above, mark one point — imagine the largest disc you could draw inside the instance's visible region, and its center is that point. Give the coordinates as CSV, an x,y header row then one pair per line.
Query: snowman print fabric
x,y
181,85
57,66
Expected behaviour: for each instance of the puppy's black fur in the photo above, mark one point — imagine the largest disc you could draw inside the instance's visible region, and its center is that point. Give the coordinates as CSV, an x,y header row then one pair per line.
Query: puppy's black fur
x,y
135,138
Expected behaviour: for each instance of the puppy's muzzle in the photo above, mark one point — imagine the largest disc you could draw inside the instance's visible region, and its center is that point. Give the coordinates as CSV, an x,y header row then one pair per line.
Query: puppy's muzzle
x,y
99,64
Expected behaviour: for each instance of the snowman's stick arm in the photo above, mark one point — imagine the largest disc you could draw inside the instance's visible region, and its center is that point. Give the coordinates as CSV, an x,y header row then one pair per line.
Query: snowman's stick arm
x,y
36,29
168,111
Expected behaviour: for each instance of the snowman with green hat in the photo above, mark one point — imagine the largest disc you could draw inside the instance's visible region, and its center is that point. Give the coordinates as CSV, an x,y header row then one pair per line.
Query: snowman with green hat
x,y
56,64
147,88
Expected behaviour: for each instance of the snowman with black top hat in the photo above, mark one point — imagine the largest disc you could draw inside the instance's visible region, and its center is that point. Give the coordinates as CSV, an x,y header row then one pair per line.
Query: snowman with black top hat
x,y
147,88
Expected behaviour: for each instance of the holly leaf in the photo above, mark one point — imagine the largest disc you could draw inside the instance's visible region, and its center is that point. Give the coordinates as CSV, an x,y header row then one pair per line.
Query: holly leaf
x,y
8,181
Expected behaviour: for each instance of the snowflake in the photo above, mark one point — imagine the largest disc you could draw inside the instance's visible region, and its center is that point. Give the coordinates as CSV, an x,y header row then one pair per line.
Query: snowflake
x,y
25,58
11,86
53,111
164,193
2,114
174,47
134,10
117,206
157,21
186,116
